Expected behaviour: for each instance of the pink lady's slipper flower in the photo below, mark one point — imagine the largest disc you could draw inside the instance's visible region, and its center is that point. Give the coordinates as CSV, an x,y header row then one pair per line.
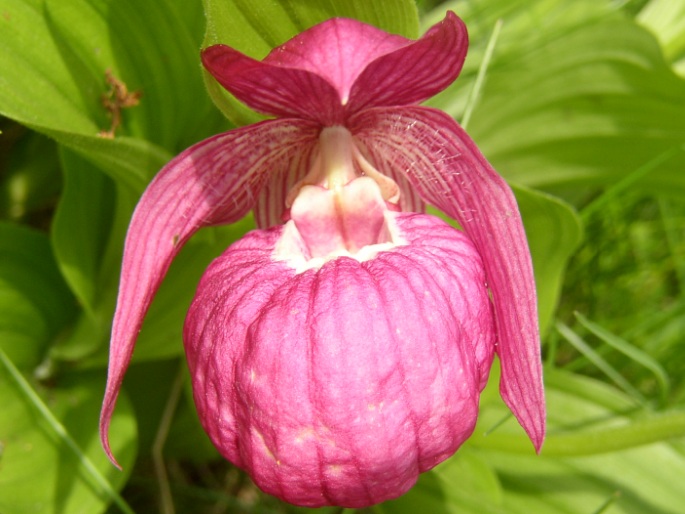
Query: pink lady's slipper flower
x,y
340,350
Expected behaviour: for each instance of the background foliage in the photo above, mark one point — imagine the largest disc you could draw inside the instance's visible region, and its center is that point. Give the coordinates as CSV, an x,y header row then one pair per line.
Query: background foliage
x,y
580,105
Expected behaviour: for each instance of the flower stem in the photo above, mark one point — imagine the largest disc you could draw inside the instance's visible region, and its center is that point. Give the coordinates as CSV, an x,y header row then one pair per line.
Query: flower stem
x,y
166,500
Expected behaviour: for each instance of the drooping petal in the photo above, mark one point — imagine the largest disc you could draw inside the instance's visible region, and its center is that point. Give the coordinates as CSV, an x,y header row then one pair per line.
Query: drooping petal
x,y
448,171
339,385
414,72
213,182
274,90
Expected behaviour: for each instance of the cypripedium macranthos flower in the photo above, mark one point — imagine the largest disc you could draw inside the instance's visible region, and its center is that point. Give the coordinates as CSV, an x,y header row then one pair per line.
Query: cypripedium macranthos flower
x,y
340,350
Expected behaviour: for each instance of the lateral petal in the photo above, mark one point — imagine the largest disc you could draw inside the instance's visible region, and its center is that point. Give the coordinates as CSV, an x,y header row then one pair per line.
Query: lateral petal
x,y
214,182
447,169
416,71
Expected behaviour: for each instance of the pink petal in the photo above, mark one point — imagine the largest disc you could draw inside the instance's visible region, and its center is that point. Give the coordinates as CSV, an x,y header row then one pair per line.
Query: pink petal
x,y
341,66
215,181
273,90
448,171
414,72
340,385
337,50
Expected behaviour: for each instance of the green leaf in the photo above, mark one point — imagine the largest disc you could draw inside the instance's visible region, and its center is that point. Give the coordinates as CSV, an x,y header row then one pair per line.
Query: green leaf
x,y
161,335
256,26
585,417
38,87
81,225
463,484
30,178
666,20
575,96
554,231
598,448
130,162
633,352
55,57
574,107
599,362
526,24
94,276
51,457
35,303
629,482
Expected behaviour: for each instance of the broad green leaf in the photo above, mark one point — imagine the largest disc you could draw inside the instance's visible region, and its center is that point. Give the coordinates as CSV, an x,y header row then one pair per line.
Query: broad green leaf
x,y
463,484
37,86
525,25
30,176
152,47
55,58
130,162
575,96
56,55
597,447
570,110
161,334
585,417
81,225
52,461
96,273
35,303
666,20
256,26
629,482
554,231
160,337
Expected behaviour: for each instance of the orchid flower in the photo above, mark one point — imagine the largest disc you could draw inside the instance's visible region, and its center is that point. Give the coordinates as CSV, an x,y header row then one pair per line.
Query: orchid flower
x,y
340,349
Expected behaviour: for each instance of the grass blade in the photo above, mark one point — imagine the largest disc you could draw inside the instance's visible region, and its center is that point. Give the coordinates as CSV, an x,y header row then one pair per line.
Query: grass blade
x,y
629,351
61,434
596,359
480,78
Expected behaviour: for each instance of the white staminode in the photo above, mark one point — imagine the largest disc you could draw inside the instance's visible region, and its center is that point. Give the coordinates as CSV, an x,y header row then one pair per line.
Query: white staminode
x,y
340,208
